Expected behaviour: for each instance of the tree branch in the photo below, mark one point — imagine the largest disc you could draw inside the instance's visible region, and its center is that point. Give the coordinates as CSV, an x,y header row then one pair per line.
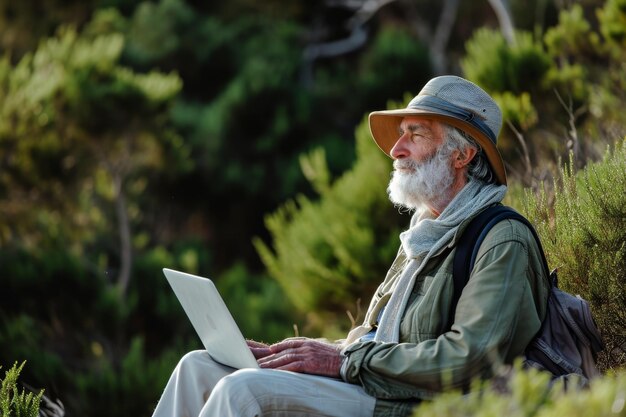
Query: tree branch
x,y
123,223
442,36
501,9
365,10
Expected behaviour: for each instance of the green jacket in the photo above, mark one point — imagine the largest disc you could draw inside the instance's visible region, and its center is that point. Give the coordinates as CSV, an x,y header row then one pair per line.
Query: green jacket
x,y
499,312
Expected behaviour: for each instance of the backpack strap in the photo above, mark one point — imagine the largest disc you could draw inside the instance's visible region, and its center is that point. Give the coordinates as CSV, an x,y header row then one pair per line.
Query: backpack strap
x,y
470,242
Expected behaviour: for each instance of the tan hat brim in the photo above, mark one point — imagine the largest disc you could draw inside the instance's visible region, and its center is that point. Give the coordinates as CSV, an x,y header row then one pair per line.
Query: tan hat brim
x,y
385,125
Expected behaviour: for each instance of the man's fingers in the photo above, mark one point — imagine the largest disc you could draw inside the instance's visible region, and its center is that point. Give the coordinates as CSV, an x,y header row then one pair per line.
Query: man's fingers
x,y
255,344
278,360
259,353
302,355
259,350
287,344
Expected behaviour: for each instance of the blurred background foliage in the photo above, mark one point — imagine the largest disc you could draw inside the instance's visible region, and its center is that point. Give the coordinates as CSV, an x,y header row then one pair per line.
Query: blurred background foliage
x,y
219,138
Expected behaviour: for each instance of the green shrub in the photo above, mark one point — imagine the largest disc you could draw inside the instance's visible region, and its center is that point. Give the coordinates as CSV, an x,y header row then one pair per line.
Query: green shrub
x,y
14,402
393,61
258,304
569,79
584,235
23,337
329,252
527,393
568,43
130,388
513,74
513,68
80,339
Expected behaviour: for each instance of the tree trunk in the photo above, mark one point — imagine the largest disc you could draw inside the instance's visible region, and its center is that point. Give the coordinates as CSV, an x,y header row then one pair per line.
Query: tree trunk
x,y
501,9
442,35
126,249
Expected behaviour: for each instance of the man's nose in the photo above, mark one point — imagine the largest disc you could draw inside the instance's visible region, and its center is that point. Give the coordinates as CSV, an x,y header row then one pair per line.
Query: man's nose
x,y
400,149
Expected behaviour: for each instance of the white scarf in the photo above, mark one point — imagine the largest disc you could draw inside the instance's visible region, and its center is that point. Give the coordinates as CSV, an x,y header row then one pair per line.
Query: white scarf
x,y
426,237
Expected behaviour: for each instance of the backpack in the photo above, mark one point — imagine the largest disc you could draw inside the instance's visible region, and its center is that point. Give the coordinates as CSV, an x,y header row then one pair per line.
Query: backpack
x,y
568,341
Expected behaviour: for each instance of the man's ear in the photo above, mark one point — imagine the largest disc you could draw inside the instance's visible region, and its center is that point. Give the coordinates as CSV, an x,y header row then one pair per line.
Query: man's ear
x,y
462,159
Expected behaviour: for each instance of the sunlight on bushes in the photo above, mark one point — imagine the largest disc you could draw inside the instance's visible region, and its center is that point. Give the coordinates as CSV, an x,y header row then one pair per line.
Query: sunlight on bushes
x,y
15,402
529,393
584,235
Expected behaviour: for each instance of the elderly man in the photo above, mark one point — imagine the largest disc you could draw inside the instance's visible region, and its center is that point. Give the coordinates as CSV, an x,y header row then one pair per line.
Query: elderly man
x,y
447,169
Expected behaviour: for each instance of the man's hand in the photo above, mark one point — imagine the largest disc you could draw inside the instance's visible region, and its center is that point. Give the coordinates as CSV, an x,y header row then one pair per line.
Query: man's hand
x,y
259,350
303,355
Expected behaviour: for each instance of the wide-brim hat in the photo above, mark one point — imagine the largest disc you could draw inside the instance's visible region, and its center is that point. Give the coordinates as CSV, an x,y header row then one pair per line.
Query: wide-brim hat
x,y
454,101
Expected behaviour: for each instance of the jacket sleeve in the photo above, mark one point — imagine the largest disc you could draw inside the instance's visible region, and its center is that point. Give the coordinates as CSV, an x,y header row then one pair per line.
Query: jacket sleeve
x,y
496,306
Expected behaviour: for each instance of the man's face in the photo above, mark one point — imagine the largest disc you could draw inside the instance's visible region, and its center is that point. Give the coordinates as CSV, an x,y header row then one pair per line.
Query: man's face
x,y
418,139
423,171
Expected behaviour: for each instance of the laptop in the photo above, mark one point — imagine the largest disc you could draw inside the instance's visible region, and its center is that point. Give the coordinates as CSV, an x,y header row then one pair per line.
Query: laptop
x,y
211,319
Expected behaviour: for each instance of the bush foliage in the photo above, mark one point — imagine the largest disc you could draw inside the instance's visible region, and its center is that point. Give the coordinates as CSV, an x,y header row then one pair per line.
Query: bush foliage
x,y
528,393
572,74
328,252
15,402
583,231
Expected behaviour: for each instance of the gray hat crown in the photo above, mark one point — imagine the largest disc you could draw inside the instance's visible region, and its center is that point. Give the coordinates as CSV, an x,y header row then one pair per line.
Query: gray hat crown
x,y
466,95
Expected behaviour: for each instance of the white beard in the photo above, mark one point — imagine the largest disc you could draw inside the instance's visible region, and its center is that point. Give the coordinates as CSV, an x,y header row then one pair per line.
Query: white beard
x,y
426,183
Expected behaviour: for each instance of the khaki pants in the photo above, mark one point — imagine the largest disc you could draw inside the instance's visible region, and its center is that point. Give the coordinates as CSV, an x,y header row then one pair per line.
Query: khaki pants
x,y
200,387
